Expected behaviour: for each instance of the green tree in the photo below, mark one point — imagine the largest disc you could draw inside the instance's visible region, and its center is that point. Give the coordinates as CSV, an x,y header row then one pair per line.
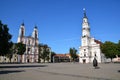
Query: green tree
x,y
44,53
11,52
110,49
21,48
5,40
118,48
39,54
73,54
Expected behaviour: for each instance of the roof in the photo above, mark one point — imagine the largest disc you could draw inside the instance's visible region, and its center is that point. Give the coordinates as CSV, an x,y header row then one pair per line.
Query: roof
x,y
62,55
98,42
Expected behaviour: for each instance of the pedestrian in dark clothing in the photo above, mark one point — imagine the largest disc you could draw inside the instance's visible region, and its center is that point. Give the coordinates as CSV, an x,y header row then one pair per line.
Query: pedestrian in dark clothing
x,y
95,63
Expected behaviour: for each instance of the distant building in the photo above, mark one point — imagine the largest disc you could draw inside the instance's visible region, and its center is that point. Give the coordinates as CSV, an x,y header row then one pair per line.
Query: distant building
x,y
61,58
90,47
31,53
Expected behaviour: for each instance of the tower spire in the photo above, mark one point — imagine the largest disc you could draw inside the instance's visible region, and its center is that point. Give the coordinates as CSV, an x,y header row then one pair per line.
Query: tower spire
x,y
35,26
23,23
84,13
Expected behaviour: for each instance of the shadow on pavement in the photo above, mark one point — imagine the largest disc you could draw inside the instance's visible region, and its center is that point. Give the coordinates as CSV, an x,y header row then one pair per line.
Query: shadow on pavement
x,y
73,75
97,67
22,66
10,71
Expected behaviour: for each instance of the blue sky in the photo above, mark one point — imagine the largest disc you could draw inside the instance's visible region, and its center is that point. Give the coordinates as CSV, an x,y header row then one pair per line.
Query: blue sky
x,y
59,21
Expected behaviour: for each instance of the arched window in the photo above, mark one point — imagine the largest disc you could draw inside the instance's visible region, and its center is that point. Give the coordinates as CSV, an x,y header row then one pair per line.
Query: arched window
x,y
90,54
35,34
84,54
28,42
84,49
22,31
95,54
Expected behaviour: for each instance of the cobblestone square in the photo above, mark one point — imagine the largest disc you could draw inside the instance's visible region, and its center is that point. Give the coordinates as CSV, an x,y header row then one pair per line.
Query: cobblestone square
x,y
59,71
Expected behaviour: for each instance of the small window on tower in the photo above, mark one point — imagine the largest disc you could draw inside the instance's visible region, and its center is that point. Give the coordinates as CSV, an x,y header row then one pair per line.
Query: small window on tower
x,y
95,55
29,42
84,28
35,43
28,49
90,54
84,49
35,34
84,55
84,36
22,32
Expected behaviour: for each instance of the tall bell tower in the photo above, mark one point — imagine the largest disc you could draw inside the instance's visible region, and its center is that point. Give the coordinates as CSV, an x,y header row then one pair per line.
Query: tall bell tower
x,y
90,47
35,35
85,30
85,40
21,33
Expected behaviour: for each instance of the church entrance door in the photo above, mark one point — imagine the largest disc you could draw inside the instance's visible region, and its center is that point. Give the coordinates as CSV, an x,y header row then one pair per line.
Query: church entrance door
x,y
28,60
84,60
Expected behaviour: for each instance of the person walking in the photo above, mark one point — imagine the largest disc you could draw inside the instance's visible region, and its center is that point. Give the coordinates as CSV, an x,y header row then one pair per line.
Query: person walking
x,y
95,63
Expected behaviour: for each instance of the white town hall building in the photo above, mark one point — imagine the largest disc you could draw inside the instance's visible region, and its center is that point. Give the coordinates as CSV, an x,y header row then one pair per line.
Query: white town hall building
x,y
90,47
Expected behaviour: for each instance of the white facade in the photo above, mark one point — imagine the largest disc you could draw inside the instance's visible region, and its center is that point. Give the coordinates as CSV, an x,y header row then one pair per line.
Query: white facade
x,y
90,48
31,53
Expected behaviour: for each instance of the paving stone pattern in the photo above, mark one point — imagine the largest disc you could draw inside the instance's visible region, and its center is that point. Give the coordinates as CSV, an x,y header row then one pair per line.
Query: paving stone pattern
x,y
59,71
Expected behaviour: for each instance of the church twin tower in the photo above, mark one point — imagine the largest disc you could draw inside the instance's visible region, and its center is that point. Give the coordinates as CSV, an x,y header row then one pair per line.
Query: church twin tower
x,y
89,49
31,42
